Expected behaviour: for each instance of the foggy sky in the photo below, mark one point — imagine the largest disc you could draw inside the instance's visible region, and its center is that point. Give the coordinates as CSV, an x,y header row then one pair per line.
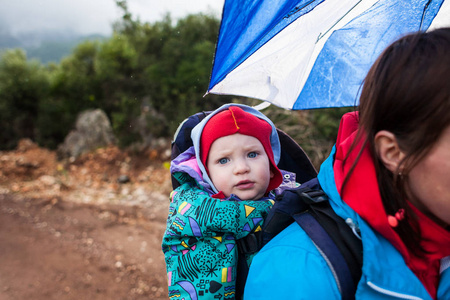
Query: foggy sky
x,y
92,16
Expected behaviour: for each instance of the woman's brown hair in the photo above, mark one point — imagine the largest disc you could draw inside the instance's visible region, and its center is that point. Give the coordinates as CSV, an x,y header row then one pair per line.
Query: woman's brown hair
x,y
406,92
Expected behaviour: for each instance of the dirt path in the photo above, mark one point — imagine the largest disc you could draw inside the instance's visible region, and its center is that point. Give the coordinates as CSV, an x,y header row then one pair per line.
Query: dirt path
x,y
54,246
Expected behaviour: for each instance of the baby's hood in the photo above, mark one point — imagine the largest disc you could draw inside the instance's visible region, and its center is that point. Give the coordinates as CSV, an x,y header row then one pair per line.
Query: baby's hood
x,y
198,129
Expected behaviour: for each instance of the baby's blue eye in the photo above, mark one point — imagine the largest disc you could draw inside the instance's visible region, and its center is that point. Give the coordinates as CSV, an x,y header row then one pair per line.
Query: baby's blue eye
x,y
252,154
223,161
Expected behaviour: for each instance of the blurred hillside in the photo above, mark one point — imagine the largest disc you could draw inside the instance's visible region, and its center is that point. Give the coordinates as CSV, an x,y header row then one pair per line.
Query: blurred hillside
x,y
44,46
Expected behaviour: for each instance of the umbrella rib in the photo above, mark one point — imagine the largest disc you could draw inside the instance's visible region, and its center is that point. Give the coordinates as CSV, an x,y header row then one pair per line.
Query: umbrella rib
x,y
321,35
423,14
297,9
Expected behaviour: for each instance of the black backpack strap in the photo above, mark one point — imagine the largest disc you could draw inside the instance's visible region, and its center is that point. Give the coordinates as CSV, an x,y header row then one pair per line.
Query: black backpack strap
x,y
250,244
330,252
241,276
286,205
335,240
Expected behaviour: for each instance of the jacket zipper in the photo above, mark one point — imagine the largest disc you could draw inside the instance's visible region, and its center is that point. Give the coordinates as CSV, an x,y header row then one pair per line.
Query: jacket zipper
x,y
391,293
354,227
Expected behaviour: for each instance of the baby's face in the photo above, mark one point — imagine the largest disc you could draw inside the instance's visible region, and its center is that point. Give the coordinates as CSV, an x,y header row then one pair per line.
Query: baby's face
x,y
238,164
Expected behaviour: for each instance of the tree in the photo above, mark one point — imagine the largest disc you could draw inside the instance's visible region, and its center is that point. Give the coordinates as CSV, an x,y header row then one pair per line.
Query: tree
x,y
73,88
179,65
23,85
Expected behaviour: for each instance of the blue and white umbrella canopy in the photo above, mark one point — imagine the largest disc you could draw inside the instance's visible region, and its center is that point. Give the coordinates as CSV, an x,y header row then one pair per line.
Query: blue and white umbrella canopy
x,y
311,54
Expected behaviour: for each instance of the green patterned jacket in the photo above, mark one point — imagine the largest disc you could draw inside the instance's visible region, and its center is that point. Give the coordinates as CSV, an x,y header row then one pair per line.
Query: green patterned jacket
x,y
199,243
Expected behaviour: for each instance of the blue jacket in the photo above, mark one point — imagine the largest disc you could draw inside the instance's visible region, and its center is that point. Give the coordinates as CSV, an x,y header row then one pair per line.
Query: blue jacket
x,y
290,266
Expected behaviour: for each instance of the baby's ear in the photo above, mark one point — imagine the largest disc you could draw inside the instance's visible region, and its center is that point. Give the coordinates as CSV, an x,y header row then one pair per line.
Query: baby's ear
x,y
388,150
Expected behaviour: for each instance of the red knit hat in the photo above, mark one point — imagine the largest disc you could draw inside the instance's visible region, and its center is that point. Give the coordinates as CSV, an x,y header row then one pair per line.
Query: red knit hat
x,y
235,120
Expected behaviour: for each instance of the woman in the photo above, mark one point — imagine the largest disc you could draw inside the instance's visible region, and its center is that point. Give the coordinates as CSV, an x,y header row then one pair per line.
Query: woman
x,y
388,175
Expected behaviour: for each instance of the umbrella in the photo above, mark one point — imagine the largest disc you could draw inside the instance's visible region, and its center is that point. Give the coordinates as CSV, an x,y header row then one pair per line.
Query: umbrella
x,y
310,54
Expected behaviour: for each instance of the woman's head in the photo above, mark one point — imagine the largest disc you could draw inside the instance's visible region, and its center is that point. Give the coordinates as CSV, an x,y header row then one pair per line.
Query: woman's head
x,y
405,103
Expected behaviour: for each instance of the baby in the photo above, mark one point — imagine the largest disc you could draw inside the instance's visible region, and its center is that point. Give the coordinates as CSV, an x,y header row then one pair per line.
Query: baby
x,y
227,181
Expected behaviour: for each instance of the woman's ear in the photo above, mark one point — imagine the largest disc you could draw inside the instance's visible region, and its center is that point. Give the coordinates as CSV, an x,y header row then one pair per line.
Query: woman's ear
x,y
388,150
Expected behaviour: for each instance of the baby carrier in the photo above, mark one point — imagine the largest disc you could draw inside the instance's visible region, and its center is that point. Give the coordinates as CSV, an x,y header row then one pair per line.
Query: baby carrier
x,y
307,205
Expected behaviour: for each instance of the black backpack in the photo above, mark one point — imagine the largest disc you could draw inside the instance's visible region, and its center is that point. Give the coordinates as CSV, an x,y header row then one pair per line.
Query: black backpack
x,y
307,205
